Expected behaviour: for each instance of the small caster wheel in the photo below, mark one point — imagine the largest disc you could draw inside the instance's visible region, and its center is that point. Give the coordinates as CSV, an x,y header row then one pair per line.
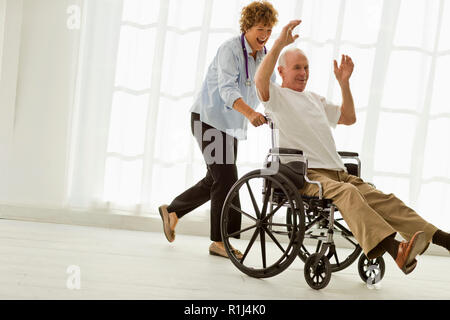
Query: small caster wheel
x,y
371,271
317,275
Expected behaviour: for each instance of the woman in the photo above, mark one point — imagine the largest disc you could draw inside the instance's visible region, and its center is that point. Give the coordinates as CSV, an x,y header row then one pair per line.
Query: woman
x,y
219,119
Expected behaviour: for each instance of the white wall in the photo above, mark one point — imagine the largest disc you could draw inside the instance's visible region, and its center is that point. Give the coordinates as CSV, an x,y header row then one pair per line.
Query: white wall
x,y
35,121
2,30
11,29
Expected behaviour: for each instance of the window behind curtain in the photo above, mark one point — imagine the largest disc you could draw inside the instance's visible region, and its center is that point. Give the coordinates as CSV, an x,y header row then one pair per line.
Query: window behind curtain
x,y
401,51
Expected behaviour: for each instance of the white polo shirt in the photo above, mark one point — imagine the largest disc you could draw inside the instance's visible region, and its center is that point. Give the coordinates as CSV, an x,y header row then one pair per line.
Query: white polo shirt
x,y
304,121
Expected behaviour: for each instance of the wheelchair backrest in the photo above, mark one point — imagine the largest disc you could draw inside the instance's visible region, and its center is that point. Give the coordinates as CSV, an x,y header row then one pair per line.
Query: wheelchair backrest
x,y
295,171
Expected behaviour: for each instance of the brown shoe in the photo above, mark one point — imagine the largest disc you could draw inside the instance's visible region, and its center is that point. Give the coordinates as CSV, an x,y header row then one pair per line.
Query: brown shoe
x,y
407,252
426,248
170,234
216,250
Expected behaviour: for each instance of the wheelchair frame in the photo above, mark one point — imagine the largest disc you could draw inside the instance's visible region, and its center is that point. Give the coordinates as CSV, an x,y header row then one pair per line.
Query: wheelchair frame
x,y
318,268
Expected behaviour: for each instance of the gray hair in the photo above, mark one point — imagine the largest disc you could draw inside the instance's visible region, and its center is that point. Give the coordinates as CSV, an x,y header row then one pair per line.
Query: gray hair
x,y
282,59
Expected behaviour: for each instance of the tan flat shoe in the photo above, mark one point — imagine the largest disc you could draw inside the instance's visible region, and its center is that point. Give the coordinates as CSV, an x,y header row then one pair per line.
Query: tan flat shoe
x,y
170,234
216,250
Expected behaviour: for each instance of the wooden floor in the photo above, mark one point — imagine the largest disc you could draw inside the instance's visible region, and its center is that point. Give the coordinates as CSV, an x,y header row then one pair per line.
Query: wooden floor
x,y
36,260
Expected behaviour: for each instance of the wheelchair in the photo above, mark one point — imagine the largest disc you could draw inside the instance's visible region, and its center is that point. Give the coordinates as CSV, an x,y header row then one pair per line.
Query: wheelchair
x,y
286,220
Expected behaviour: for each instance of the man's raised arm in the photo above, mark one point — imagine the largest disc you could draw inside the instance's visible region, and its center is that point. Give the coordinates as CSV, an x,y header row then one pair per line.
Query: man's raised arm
x,y
343,73
265,70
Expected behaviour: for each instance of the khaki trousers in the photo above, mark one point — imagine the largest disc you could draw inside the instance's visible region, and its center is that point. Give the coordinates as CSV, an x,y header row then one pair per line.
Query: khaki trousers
x,y
370,214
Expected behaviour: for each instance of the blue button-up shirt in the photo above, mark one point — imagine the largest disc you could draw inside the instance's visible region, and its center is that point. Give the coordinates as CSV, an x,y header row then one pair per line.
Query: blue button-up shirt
x,y
225,82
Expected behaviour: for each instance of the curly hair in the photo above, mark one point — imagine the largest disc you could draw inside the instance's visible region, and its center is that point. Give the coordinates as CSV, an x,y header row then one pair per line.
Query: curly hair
x,y
258,12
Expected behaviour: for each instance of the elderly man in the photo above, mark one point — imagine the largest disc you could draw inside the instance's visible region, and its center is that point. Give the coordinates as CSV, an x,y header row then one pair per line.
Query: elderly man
x,y
304,119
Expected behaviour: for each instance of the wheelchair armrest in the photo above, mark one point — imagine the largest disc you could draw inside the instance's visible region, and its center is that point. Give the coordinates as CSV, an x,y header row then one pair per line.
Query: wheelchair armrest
x,y
354,169
348,154
316,183
286,151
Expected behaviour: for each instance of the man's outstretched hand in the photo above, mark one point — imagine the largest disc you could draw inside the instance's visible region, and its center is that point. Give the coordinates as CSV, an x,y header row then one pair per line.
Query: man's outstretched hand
x,y
344,71
286,38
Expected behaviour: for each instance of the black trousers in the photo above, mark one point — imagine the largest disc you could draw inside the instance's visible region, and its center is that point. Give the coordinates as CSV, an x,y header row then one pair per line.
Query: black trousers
x,y
219,152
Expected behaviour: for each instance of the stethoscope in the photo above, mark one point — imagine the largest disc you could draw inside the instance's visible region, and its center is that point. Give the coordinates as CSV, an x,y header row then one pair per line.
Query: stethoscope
x,y
248,83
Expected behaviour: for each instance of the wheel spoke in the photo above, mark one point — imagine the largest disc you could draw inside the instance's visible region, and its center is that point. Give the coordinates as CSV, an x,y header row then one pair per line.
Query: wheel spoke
x,y
263,247
252,240
344,230
240,231
351,241
242,212
345,233
281,225
275,240
255,206
270,215
309,226
266,199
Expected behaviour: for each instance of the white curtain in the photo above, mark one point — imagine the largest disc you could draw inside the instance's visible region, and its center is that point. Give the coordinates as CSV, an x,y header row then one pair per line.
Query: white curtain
x,y
143,61
2,31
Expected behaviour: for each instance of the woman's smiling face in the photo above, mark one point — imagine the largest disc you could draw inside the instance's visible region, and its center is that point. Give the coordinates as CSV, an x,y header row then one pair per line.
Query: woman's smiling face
x,y
257,36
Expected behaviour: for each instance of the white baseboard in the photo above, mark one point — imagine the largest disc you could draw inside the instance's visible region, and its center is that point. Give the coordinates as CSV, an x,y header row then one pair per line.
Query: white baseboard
x,y
101,219
189,225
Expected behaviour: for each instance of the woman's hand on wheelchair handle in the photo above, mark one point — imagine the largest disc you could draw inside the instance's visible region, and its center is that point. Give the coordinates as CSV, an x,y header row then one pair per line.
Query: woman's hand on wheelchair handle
x,y
257,119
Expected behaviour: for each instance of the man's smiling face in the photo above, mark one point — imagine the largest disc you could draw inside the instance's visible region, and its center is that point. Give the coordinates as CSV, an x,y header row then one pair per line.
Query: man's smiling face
x,y
295,72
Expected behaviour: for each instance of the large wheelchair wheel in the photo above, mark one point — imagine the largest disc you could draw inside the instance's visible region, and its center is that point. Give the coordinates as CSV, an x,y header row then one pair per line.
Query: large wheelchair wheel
x,y
277,247
339,258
